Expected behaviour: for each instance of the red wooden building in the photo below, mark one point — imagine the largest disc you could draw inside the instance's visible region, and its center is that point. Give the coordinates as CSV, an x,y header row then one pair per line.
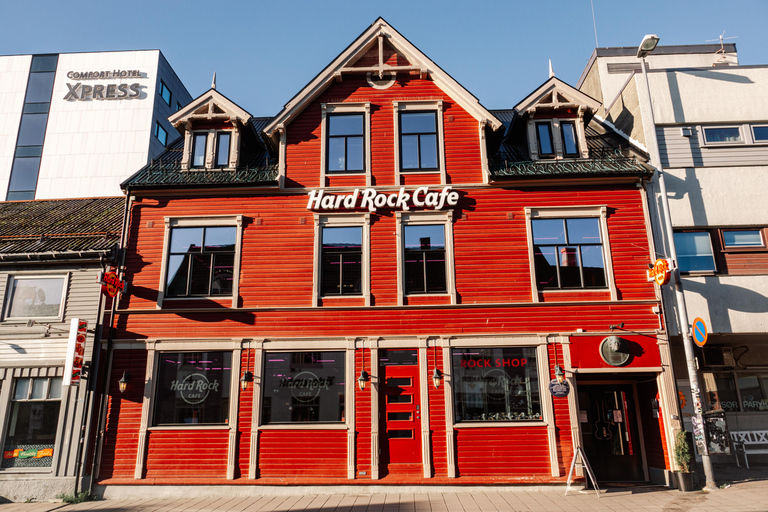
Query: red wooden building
x,y
379,284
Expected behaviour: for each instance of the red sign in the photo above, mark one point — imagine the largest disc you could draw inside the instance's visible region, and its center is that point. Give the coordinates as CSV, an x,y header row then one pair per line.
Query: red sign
x,y
493,363
660,272
75,352
111,284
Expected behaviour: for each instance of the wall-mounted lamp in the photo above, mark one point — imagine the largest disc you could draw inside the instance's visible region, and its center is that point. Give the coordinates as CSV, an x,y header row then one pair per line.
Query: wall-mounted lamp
x,y
122,384
362,379
559,374
616,326
245,379
437,376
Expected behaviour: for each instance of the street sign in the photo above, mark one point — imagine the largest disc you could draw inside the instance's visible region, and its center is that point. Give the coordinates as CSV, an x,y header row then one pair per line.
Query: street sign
x,y
699,332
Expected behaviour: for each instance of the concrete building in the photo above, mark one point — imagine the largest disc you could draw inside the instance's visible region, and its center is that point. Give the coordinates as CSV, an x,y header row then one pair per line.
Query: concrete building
x,y
77,124
711,126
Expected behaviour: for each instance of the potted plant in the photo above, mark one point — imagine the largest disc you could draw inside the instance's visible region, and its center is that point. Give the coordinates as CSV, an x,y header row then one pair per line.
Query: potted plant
x,y
684,457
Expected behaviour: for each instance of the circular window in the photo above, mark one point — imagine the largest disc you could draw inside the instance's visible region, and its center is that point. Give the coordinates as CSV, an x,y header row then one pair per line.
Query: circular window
x,y
615,351
384,82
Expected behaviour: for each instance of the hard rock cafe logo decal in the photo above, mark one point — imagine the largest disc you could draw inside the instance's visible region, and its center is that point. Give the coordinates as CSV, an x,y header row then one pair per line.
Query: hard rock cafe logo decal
x,y
195,388
305,386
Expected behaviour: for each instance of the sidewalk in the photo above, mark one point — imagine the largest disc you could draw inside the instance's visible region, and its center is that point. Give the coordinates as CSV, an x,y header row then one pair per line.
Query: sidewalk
x,y
748,492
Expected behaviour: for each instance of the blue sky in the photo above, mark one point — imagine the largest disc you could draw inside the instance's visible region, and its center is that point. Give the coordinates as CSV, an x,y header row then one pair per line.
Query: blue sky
x,y
264,52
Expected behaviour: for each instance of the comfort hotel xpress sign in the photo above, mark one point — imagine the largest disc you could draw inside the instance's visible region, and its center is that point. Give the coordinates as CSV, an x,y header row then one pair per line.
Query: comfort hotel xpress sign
x,y
370,199
116,91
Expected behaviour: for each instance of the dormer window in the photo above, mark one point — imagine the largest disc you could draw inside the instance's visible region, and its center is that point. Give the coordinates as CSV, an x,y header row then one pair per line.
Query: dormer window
x,y
198,149
222,149
544,132
568,132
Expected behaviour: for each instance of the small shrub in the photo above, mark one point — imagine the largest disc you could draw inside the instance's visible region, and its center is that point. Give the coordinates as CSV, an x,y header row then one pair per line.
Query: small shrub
x,y
683,452
72,498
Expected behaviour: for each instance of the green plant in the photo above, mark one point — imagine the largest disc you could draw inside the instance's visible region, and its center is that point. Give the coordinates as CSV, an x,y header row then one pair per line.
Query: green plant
x,y
683,452
72,498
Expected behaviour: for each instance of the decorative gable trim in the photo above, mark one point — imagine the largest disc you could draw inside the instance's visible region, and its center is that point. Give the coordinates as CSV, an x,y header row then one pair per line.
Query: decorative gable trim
x,y
378,36
210,106
556,94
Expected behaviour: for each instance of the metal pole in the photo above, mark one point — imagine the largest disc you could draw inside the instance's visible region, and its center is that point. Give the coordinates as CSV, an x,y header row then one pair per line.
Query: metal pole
x,y
682,314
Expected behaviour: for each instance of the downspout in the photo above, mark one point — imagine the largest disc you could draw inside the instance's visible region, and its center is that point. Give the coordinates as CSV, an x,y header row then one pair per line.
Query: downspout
x,y
95,466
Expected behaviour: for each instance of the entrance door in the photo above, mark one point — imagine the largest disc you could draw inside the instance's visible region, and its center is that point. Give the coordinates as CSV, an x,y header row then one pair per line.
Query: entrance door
x,y
400,411
610,435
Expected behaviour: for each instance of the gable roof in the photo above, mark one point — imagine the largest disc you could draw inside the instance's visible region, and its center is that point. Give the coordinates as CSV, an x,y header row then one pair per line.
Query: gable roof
x,y
208,106
59,228
556,93
359,57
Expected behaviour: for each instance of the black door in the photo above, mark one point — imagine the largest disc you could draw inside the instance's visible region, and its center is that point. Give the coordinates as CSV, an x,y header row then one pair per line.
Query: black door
x,y
610,435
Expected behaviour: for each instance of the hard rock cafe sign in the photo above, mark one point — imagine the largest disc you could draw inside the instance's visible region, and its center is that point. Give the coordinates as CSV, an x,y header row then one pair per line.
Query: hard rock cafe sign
x,y
660,272
371,199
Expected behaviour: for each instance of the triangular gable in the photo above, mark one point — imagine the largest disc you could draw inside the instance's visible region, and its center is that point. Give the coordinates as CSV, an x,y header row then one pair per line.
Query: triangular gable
x,y
555,93
209,106
383,48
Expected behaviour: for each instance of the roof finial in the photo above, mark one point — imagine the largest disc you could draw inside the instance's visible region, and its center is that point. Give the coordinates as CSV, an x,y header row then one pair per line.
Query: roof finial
x,y
213,82
551,73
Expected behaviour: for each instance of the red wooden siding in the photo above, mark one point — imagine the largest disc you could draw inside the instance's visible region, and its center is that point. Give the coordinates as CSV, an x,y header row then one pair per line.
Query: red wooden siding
x,y
244,415
363,417
118,456
304,453
512,451
438,437
187,454
562,414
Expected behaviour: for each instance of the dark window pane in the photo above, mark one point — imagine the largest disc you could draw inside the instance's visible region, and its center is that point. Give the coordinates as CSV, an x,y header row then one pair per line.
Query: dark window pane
x,y
721,392
754,391
570,268
303,387
24,195
337,158
496,384
354,153
414,272
548,231
399,399
418,122
186,239
220,238
428,151
399,416
44,63
32,130
722,134
198,150
569,139
200,276
24,175
426,237
694,252
27,151
222,150
165,93
741,238
424,258
400,434
435,271
761,133
583,231
178,269
545,261
193,388
593,266
409,150
161,134
341,260
351,268
398,358
345,124
36,108
223,270
544,133
39,87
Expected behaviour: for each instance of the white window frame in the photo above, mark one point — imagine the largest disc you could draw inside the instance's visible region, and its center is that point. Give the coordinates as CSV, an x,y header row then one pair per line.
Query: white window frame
x,y
211,143
742,135
752,133
210,221
599,212
694,231
21,276
582,151
425,218
399,107
339,221
346,108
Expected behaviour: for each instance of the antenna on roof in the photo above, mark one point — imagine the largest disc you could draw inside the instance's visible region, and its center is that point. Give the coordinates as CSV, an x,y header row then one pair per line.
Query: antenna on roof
x,y
721,51
213,82
551,73
592,3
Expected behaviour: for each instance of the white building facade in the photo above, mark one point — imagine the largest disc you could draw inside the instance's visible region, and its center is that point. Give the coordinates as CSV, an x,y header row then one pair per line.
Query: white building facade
x,y
711,127
77,124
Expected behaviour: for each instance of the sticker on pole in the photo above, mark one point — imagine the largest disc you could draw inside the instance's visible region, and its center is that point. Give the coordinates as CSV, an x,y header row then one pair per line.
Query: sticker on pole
x,y
699,332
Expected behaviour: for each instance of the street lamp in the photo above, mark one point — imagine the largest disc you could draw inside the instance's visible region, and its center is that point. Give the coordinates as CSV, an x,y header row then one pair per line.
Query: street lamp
x,y
647,46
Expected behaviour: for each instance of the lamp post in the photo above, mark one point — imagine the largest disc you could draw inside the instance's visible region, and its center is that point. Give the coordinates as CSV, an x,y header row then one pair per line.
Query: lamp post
x,y
647,46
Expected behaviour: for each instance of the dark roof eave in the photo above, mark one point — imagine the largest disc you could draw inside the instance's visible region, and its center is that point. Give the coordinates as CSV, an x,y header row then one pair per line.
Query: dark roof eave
x,y
195,186
95,255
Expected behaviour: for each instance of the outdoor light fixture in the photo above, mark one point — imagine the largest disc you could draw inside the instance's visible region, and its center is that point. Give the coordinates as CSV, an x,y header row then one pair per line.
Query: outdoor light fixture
x,y
647,45
245,379
362,379
122,384
616,326
559,374
437,376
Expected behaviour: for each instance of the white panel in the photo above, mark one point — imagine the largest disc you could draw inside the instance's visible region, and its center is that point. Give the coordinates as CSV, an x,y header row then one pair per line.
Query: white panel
x,y
14,71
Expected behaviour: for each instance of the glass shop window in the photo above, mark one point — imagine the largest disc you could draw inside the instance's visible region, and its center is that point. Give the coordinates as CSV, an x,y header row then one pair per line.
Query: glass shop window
x,y
303,387
31,429
192,388
496,384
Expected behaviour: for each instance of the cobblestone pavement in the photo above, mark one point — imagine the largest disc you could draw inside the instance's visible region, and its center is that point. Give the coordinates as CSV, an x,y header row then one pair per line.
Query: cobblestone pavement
x,y
748,493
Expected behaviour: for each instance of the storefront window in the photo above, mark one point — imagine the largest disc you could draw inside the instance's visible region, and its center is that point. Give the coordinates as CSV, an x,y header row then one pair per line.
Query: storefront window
x,y
32,423
721,392
753,389
737,392
496,384
301,387
193,388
